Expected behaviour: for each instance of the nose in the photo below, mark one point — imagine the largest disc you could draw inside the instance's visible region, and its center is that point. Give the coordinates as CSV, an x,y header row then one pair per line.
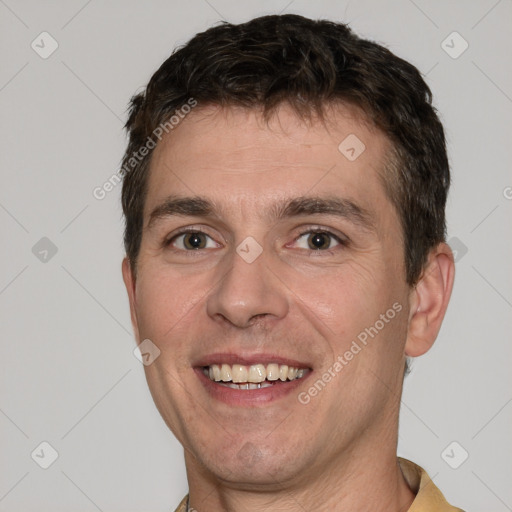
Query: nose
x,y
248,292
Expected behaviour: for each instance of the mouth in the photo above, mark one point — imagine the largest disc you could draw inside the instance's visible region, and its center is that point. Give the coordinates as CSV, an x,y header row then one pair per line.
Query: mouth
x,y
255,376
250,381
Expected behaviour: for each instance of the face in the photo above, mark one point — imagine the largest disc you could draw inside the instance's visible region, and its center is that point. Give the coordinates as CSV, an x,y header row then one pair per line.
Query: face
x,y
271,278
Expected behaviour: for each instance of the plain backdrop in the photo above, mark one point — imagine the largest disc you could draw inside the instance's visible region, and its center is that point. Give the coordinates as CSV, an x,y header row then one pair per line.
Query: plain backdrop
x,y
68,374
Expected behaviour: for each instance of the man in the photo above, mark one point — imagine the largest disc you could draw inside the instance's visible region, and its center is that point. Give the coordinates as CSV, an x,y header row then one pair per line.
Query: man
x,y
284,194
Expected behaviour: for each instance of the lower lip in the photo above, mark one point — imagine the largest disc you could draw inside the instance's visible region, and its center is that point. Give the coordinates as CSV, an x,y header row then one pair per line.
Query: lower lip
x,y
249,397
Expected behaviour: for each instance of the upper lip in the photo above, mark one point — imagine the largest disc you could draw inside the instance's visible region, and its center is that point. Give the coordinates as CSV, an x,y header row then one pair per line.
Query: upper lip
x,y
247,359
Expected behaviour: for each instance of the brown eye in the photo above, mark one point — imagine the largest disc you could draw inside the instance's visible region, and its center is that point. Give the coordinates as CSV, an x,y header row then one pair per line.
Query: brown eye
x,y
318,241
194,241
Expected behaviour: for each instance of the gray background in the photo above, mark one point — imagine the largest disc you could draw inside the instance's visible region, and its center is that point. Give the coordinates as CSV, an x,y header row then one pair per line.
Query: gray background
x,y
68,374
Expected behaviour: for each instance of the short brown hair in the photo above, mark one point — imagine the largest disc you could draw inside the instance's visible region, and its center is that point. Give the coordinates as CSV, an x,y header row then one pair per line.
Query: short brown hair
x,y
308,64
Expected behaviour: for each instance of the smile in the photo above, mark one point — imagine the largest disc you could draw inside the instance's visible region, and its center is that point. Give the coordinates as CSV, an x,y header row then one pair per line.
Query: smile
x,y
255,376
242,379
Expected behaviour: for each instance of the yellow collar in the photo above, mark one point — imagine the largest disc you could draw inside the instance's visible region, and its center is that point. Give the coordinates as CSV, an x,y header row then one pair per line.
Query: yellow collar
x,y
428,496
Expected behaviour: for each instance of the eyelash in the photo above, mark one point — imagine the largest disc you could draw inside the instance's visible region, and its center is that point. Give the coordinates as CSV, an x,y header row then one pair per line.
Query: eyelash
x,y
318,230
343,242
184,231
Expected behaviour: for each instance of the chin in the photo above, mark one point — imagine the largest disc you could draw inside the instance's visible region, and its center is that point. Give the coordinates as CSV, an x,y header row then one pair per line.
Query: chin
x,y
249,466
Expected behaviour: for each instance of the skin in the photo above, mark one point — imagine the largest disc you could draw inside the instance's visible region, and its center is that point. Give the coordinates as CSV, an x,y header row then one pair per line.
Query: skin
x,y
338,452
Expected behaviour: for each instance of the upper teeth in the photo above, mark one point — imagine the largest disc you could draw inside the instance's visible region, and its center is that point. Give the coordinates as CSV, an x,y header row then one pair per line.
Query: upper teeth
x,y
255,373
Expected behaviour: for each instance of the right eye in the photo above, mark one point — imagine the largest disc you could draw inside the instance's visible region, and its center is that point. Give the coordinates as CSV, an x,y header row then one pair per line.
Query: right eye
x,y
192,240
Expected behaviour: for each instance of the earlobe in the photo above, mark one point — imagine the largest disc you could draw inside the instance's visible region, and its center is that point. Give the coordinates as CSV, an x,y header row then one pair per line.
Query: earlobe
x,y
429,301
129,282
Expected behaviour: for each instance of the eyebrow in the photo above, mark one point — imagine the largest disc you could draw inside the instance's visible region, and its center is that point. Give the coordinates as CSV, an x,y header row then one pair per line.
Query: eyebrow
x,y
198,206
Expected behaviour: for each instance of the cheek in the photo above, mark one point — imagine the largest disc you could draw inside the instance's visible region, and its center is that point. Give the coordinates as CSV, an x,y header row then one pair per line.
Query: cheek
x,y
342,296
165,300
345,305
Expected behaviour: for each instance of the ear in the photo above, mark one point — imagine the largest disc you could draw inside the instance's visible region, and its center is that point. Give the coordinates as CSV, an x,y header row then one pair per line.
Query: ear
x,y
429,299
129,282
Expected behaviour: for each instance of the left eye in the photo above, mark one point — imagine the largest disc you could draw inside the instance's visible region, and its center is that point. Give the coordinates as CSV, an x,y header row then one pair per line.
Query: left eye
x,y
193,240
317,240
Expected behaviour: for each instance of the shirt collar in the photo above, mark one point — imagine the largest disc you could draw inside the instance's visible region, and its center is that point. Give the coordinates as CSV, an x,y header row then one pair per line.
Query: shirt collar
x,y
428,496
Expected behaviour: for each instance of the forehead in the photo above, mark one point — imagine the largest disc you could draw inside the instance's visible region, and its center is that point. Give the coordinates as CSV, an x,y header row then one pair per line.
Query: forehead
x,y
243,162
